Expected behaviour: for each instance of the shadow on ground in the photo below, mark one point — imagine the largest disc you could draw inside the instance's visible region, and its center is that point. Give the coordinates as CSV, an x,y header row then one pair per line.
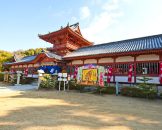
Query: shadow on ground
x,y
71,110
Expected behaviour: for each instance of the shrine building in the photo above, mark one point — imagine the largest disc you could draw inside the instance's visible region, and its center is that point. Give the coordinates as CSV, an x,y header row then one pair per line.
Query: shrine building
x,y
70,49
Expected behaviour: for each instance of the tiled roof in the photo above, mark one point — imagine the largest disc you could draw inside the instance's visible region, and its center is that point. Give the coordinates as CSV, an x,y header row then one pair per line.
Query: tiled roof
x,y
52,55
24,59
33,57
130,45
27,58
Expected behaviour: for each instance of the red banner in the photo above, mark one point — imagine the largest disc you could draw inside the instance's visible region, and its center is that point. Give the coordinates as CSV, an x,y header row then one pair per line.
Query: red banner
x,y
75,72
130,73
109,75
160,73
26,71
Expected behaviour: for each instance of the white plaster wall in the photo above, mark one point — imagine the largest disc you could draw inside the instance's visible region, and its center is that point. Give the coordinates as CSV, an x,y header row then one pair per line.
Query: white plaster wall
x,y
125,59
48,63
147,57
69,63
105,60
154,80
36,65
20,66
24,65
74,62
29,75
30,65
90,61
123,79
35,75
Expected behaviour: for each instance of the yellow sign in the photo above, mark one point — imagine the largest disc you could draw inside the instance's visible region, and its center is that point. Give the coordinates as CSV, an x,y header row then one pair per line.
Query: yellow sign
x,y
89,75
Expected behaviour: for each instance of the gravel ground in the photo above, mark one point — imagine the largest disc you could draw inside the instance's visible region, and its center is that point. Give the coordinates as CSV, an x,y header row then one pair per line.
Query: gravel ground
x,y
53,110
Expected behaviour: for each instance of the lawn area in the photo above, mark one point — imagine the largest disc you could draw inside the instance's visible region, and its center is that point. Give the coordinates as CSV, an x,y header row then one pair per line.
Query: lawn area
x,y
53,110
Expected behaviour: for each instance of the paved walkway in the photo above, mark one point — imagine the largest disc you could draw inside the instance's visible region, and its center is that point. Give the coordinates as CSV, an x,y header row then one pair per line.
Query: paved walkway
x,y
17,88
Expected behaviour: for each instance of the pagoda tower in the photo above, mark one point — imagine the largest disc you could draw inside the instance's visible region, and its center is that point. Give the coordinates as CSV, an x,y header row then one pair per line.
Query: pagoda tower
x,y
65,40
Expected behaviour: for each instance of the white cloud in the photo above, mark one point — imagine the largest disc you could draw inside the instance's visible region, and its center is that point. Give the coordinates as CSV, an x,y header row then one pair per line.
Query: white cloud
x,y
100,23
122,19
73,19
84,12
111,5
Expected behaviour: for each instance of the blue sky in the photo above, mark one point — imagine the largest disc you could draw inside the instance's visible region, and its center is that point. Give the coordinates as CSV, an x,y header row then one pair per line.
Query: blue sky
x,y
100,20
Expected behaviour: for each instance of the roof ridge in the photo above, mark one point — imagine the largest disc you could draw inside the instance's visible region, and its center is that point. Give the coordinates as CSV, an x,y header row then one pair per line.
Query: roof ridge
x,y
75,24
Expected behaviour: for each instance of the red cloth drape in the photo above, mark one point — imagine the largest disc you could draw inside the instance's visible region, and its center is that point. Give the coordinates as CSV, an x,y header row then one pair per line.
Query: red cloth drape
x,y
160,73
26,71
130,73
109,74
75,72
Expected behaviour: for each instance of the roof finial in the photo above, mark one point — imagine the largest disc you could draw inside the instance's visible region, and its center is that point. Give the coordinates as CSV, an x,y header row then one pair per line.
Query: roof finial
x,y
68,24
61,27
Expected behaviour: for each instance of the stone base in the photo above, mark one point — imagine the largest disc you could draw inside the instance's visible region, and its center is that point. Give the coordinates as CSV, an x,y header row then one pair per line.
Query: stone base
x,y
17,84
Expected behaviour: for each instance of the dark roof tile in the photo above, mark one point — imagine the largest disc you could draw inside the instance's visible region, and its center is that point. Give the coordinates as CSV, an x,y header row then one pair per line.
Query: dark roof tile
x,y
136,44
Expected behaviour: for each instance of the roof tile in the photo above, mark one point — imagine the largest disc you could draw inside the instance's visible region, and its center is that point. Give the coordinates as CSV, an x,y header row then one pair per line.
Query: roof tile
x,y
136,44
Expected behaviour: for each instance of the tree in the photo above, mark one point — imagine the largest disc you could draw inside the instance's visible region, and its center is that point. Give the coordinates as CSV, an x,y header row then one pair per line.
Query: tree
x,y
5,57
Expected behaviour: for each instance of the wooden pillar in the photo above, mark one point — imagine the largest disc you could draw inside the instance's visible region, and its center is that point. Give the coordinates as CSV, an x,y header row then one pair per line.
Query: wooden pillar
x,y
83,62
71,68
97,60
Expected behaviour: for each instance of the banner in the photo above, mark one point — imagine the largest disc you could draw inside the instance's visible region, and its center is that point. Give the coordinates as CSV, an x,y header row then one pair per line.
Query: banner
x,y
130,73
26,71
79,75
160,73
109,74
75,72
101,79
89,75
101,71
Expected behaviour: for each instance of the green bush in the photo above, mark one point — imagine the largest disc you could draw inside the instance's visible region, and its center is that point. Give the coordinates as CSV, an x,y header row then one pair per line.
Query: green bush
x,y
27,80
160,94
110,90
48,82
138,92
106,90
23,80
1,77
81,87
72,84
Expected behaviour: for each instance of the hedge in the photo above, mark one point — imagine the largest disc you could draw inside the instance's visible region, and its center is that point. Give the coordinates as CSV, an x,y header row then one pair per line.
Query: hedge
x,y
137,92
1,77
106,90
